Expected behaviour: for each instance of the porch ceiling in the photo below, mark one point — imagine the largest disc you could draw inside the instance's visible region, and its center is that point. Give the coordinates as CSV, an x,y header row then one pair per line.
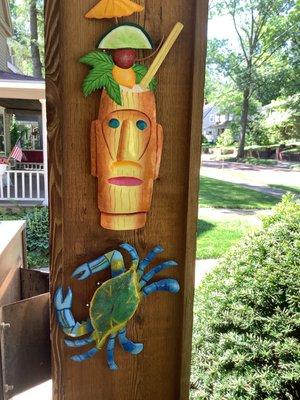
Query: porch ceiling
x,y
20,104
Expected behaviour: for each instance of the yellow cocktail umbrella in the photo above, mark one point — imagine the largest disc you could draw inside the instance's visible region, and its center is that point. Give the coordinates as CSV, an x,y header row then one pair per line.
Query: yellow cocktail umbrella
x,y
114,9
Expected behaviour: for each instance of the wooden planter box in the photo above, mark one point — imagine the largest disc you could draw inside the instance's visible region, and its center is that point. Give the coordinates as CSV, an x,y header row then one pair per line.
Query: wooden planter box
x,y
24,316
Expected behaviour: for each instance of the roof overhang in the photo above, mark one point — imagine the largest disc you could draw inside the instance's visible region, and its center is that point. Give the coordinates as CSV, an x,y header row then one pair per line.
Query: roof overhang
x,y
22,90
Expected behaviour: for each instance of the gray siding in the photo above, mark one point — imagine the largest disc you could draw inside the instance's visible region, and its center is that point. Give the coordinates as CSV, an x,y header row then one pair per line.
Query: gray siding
x,y
4,55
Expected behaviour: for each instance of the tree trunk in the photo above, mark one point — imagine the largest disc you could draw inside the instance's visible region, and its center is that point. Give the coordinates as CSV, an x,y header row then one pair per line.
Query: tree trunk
x,y
244,123
34,46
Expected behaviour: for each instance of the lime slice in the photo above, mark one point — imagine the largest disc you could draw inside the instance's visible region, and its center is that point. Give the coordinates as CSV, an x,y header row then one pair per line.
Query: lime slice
x,y
126,36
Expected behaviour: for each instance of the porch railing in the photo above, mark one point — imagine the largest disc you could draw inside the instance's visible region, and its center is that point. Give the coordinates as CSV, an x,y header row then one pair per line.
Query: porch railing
x,y
28,166
21,185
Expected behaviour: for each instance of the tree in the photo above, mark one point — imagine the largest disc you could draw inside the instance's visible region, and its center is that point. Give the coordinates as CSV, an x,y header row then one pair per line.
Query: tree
x,y
263,29
34,45
28,35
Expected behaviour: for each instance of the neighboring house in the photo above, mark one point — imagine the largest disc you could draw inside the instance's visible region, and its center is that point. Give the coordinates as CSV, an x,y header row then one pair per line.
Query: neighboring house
x,y
21,98
5,32
214,123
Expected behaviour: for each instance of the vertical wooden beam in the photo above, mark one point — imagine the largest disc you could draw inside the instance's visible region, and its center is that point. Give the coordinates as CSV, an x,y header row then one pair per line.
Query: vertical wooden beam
x,y
163,322
197,96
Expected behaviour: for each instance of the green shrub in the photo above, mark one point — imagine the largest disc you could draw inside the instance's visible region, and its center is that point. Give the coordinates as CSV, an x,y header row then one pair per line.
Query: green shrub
x,y
259,161
37,233
226,138
247,317
293,150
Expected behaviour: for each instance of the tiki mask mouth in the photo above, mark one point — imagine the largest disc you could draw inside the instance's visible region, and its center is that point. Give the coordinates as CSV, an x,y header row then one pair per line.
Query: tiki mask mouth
x,y
125,181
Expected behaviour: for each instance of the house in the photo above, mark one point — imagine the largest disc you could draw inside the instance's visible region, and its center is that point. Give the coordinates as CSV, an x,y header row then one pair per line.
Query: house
x,y
5,32
214,122
22,99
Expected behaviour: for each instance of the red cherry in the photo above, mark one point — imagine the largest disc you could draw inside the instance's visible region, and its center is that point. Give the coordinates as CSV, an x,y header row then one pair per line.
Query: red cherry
x,y
124,58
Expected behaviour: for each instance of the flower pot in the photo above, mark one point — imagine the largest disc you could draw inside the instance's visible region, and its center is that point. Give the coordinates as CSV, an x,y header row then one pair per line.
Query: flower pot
x,y
3,168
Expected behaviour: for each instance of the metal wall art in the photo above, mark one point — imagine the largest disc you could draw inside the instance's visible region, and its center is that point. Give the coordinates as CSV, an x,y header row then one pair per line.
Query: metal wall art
x,y
126,140
113,304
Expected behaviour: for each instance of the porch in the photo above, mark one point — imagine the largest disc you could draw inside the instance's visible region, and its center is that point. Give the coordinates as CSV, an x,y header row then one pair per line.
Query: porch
x,y
22,99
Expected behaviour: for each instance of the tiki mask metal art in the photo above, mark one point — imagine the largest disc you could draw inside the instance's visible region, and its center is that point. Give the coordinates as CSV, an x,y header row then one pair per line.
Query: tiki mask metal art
x,y
126,149
113,304
126,139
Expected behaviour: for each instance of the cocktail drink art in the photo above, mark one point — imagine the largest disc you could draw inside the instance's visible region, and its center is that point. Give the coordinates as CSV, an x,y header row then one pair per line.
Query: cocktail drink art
x,y
126,139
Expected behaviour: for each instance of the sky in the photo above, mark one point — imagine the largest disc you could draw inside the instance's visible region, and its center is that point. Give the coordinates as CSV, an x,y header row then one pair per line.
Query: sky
x,y
222,28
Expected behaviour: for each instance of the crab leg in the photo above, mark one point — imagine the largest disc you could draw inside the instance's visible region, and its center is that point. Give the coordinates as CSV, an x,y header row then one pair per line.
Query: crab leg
x,y
110,352
79,342
132,251
128,345
149,258
114,259
65,316
85,356
164,285
160,267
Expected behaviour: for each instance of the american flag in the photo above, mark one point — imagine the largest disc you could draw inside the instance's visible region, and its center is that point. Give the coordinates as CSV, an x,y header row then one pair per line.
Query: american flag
x,y
17,152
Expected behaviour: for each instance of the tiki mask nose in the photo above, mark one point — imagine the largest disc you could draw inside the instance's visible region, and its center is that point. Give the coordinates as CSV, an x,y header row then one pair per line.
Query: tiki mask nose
x,y
128,149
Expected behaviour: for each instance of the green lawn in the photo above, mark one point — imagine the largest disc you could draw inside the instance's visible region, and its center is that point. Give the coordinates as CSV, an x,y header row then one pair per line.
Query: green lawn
x,y
293,189
219,194
216,237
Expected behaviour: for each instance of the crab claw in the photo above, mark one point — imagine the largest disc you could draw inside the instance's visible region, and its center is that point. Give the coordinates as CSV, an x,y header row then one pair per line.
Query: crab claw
x,y
158,249
82,272
60,302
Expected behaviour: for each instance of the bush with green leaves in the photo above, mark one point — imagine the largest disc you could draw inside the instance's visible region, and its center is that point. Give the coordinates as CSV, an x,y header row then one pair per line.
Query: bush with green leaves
x,y
37,233
247,317
226,138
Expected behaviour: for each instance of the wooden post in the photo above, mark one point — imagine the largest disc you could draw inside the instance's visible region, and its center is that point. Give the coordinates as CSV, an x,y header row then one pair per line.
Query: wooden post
x,y
163,322
45,150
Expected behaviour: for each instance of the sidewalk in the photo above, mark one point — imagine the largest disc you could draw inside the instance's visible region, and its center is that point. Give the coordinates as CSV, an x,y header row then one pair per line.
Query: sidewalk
x,y
203,267
253,217
41,392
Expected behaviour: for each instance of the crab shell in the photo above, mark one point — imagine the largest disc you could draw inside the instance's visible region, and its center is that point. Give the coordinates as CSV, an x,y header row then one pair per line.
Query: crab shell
x,y
114,304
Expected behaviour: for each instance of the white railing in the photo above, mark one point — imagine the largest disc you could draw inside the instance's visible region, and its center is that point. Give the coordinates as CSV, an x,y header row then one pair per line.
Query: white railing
x,y
22,185
24,166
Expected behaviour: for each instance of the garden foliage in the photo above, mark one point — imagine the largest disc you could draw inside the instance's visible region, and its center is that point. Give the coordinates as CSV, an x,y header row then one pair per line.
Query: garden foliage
x,y
37,234
247,316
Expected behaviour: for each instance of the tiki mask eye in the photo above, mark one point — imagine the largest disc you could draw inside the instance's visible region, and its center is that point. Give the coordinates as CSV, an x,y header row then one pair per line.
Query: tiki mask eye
x,y
114,123
141,125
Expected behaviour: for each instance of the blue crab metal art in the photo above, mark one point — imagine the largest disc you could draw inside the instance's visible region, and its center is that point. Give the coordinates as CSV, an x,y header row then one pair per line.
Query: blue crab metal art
x,y
113,304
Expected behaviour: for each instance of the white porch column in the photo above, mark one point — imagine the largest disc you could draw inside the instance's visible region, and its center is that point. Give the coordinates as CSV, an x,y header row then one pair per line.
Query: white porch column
x,y
45,149
7,139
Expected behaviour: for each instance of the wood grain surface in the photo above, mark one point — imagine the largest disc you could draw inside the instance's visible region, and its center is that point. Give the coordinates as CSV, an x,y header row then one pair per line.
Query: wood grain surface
x,y
163,322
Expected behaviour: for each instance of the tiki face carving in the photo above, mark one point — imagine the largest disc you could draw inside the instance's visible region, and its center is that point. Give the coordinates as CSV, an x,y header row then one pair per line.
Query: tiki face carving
x,y
126,155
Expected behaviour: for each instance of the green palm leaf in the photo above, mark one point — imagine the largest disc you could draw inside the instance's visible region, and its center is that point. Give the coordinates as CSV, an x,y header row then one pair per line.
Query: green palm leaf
x,y
96,79
140,72
94,58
